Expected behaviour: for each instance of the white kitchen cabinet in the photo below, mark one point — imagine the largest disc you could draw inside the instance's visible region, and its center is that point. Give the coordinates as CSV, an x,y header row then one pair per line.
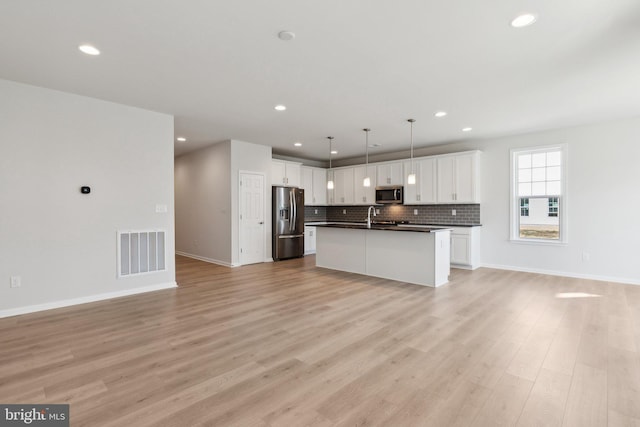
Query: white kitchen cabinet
x,y
314,183
364,195
306,174
458,178
389,174
285,173
309,240
425,189
343,182
465,247
319,187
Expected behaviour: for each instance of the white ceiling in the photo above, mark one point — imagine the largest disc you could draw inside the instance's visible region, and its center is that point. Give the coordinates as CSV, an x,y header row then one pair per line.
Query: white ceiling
x,y
219,67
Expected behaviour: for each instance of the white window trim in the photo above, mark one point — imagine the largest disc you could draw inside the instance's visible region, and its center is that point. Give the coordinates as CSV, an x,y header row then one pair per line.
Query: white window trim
x,y
514,234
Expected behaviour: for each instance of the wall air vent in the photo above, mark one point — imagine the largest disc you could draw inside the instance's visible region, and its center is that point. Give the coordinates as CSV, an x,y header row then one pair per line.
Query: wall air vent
x,y
141,252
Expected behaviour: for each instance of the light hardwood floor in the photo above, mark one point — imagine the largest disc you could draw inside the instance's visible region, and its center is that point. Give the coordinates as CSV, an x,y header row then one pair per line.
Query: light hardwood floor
x,y
288,344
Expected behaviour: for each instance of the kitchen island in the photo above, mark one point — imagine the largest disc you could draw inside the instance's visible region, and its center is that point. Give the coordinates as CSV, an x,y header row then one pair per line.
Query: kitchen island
x,y
418,255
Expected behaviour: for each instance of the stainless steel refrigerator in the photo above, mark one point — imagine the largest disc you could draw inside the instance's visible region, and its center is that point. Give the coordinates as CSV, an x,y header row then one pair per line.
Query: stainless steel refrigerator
x,y
288,222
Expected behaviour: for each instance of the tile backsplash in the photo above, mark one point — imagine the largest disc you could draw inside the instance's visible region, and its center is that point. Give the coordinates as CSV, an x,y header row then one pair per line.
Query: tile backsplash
x,y
425,214
315,213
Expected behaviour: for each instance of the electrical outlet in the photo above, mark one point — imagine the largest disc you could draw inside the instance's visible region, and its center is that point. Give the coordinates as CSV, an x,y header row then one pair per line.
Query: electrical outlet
x,y
415,211
315,211
16,281
344,211
453,212
377,211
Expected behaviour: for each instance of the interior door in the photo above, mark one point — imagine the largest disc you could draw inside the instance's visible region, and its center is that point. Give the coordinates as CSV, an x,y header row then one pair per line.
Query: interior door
x,y
252,228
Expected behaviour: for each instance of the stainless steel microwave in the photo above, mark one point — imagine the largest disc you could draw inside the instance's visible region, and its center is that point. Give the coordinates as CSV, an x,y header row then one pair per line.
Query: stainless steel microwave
x,y
393,194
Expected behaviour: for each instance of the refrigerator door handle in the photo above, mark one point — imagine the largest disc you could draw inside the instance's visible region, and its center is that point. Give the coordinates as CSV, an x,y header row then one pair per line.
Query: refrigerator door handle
x,y
290,236
295,210
292,210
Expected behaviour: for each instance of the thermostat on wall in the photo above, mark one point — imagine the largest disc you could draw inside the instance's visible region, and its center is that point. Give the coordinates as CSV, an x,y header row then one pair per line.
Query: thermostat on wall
x,y
85,190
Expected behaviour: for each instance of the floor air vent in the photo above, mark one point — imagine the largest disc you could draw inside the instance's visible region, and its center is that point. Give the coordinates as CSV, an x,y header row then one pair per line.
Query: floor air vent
x,y
141,252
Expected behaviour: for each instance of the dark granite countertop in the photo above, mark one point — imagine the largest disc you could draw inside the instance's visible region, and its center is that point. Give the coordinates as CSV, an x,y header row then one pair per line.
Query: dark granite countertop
x,y
388,223
385,227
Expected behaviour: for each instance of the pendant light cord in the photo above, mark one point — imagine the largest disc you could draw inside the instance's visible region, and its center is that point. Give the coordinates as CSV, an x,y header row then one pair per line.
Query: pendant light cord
x,y
366,148
411,121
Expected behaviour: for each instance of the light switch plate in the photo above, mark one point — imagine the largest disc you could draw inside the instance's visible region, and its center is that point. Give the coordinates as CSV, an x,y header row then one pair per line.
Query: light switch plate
x,y
16,281
453,212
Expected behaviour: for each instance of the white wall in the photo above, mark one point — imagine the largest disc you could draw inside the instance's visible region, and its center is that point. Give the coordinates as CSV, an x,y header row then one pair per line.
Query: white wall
x,y
207,207
204,204
63,243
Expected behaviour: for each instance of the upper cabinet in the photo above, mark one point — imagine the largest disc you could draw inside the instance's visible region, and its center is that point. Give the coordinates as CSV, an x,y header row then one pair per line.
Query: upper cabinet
x,y
343,192
314,183
285,173
364,195
424,191
458,178
448,178
389,174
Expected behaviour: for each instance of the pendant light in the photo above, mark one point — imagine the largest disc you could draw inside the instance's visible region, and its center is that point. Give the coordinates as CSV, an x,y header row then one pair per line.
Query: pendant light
x,y
366,182
330,181
411,178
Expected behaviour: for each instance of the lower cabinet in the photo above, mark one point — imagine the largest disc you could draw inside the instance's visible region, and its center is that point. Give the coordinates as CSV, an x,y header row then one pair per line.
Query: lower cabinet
x,y
465,247
309,240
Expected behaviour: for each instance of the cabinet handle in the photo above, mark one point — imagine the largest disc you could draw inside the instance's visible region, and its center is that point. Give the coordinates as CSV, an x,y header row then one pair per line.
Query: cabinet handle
x,y
417,197
342,199
314,200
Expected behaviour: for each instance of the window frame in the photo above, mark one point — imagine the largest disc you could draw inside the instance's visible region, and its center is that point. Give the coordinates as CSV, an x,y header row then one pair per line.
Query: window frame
x,y
514,233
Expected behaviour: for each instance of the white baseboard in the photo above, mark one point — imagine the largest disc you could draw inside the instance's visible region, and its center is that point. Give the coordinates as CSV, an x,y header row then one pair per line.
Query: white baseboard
x,y
209,260
83,300
624,280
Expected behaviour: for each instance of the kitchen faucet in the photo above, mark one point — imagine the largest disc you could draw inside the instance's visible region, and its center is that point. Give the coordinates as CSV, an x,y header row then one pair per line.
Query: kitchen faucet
x,y
369,215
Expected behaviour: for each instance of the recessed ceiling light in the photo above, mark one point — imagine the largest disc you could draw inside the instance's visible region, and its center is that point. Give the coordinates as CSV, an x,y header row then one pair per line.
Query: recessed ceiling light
x,y
88,49
280,107
286,35
523,20
440,114
298,144
467,129
181,139
334,152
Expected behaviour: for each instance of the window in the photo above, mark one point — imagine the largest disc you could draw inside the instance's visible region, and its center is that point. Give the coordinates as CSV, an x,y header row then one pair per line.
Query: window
x,y
524,206
553,206
538,194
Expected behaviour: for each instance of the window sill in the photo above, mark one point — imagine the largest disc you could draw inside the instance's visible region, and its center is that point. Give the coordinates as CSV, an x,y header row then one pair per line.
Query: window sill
x,y
538,243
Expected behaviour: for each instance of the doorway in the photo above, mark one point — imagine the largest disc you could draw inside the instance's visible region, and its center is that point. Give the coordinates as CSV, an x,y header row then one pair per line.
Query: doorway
x,y
252,217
